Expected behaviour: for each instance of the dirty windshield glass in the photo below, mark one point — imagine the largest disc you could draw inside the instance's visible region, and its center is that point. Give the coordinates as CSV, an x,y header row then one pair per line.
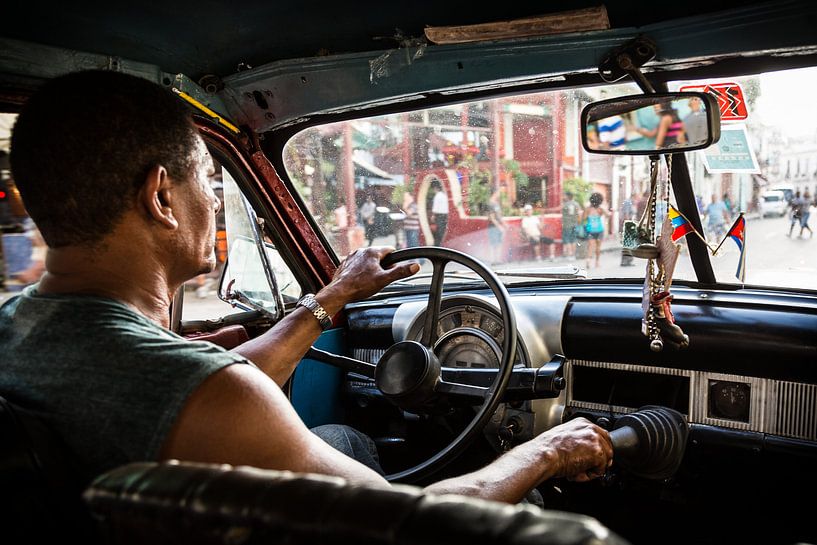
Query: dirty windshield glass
x,y
507,181
765,168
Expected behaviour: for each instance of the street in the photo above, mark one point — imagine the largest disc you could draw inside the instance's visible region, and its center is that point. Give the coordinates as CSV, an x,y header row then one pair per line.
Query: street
x,y
772,258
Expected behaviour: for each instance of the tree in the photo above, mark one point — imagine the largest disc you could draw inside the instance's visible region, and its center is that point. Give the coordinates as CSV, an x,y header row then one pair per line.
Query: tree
x,y
479,184
580,188
515,170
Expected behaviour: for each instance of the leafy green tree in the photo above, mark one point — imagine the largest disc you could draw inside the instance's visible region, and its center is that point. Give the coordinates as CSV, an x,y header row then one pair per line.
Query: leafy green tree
x,y
580,188
479,184
515,170
479,192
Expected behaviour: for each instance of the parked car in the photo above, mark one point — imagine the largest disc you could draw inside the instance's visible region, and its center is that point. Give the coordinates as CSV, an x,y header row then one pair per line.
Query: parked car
x,y
772,203
710,391
788,191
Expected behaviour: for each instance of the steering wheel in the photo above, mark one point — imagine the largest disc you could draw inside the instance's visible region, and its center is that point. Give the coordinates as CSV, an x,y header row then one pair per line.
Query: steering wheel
x,y
410,374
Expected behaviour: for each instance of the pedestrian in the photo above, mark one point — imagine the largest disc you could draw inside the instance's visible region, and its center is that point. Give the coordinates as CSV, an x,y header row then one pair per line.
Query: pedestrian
x,y
570,223
411,224
796,211
367,211
593,222
670,129
805,213
716,216
439,209
612,132
532,233
695,122
496,227
727,202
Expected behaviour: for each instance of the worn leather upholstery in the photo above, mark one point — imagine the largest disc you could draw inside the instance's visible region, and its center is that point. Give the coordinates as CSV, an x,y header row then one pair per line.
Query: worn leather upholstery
x,y
40,487
208,504
228,337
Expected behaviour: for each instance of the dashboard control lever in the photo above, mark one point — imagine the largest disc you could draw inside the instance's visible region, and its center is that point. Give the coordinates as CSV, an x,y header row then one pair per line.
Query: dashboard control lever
x,y
550,378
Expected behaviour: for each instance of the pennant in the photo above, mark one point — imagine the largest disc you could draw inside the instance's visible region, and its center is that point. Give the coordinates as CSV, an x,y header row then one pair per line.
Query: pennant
x,y
738,233
680,225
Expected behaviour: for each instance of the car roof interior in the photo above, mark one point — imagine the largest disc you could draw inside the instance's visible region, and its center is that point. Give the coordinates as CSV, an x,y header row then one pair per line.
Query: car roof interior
x,y
200,38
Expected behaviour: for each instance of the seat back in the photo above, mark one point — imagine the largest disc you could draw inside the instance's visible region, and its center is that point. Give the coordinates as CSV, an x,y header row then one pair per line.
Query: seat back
x,y
40,487
177,503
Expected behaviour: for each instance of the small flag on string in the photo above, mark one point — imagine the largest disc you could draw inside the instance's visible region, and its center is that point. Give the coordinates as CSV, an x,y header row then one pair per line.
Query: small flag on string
x,y
680,225
738,233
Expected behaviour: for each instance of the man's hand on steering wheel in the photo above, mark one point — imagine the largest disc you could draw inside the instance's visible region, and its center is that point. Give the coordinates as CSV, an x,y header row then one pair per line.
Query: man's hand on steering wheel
x,y
361,275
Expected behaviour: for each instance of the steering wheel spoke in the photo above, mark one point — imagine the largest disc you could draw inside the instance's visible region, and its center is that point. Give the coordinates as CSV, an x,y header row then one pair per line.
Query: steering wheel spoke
x,y
435,296
477,393
347,364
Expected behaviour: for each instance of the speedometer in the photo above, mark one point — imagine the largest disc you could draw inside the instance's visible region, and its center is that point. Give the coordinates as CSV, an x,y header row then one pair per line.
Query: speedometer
x,y
469,336
468,347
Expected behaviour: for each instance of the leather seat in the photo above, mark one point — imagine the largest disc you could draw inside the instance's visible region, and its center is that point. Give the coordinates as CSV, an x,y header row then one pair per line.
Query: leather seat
x,y
175,503
40,487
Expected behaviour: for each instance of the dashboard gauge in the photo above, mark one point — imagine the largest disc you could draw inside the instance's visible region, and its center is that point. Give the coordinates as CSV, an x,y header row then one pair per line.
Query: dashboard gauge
x,y
468,347
469,336
729,400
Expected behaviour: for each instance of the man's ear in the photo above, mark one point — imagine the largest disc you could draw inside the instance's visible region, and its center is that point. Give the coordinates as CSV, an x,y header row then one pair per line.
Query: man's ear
x,y
156,197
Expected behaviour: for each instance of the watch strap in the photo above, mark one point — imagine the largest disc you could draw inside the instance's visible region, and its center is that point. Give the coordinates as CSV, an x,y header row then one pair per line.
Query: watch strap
x,y
309,302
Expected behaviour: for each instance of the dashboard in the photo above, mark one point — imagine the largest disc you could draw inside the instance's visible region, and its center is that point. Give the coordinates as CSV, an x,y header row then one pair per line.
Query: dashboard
x,y
763,384
746,386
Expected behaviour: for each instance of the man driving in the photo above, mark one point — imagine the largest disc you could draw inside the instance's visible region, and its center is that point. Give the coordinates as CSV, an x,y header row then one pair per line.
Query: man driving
x,y
116,177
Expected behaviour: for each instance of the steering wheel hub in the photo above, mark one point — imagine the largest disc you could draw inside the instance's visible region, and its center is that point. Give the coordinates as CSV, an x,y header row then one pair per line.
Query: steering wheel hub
x,y
407,374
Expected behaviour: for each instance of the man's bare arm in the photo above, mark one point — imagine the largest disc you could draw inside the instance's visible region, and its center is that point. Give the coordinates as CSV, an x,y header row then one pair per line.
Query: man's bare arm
x,y
279,350
578,450
239,416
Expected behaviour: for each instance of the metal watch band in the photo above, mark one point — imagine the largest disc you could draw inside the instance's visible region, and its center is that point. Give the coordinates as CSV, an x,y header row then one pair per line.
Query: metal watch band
x,y
309,302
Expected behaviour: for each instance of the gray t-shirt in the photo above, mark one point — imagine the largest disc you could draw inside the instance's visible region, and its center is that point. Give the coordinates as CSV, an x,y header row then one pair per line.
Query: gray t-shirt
x,y
109,381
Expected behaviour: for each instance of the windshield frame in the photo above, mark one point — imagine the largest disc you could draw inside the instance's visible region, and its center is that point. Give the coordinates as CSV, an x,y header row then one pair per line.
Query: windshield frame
x,y
274,141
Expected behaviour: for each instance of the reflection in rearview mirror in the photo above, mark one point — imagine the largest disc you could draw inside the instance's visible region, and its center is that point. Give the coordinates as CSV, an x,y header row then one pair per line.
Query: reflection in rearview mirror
x,y
650,124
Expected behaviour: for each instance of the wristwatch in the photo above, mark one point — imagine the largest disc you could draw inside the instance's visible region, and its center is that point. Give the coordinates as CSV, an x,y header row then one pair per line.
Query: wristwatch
x,y
309,302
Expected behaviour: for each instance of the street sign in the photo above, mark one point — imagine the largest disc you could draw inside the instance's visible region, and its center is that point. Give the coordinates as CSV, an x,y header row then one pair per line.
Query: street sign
x,y
729,96
733,152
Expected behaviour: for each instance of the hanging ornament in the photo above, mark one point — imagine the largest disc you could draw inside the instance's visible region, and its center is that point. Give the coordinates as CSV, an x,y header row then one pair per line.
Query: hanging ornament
x,y
661,254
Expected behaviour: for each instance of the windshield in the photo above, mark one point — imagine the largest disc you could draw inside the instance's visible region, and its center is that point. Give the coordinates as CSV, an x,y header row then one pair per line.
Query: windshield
x,y
507,181
766,167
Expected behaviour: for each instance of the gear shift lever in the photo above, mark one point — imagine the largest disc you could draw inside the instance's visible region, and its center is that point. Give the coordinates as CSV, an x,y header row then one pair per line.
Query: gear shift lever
x,y
650,442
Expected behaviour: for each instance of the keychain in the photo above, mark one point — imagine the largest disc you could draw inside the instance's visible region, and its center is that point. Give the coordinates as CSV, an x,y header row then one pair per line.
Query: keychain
x,y
661,254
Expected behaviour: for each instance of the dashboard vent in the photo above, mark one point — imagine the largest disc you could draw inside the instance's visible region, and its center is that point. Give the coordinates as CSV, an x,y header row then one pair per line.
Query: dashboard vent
x,y
369,355
786,409
796,410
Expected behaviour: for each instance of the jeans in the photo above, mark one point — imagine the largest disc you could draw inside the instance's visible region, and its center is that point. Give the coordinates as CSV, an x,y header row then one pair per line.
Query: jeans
x,y
360,447
442,225
412,238
352,443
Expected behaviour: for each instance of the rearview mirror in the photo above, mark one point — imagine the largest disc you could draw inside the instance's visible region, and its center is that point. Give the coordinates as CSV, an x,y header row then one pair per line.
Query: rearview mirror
x,y
651,124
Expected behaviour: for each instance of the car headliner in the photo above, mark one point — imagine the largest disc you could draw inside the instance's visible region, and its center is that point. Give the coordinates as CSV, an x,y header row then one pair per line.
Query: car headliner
x,y
212,37
268,66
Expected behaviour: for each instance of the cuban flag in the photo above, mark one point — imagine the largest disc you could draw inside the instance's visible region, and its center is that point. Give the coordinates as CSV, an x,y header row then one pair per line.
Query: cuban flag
x,y
738,233
680,225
